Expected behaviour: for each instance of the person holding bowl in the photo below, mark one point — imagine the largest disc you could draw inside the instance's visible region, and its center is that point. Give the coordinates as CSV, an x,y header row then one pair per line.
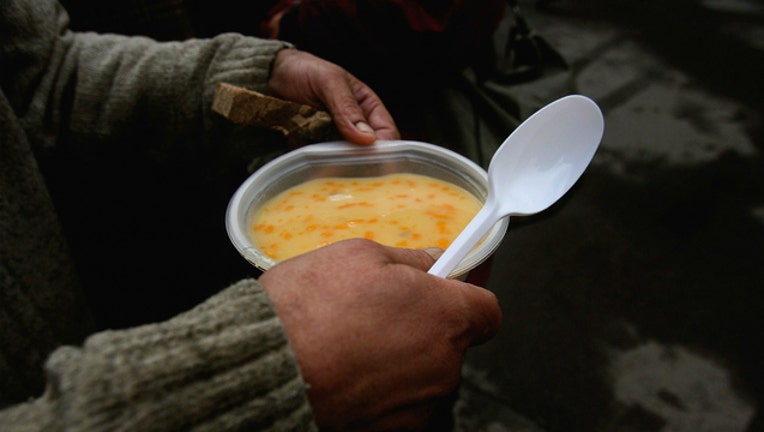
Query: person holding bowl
x,y
353,336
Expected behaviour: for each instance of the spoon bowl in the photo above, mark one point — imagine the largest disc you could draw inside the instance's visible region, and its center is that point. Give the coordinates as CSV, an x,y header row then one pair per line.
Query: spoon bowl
x,y
533,168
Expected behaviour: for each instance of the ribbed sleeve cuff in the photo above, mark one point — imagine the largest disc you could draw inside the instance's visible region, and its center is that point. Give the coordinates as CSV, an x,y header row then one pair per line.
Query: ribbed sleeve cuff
x,y
246,62
225,365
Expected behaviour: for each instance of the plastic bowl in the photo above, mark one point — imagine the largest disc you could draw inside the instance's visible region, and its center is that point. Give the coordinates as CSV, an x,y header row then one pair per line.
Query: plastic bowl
x,y
342,159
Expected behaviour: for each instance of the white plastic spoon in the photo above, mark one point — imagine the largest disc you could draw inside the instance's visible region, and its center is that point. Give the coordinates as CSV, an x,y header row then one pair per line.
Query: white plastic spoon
x,y
535,166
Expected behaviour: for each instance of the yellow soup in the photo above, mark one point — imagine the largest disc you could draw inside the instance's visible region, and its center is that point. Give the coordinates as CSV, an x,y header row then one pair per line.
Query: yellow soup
x,y
404,210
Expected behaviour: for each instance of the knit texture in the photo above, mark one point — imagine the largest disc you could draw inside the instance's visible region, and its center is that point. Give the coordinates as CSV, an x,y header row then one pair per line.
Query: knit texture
x,y
224,365
41,305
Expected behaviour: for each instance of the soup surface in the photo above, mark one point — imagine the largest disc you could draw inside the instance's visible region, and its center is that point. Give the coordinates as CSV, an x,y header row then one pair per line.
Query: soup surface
x,y
404,210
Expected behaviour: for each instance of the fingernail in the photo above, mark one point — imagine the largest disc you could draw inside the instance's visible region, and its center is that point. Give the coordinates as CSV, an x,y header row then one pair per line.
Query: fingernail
x,y
365,128
434,252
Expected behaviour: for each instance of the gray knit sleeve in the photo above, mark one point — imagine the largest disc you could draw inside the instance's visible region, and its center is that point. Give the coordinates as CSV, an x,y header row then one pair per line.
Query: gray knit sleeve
x,y
99,89
224,365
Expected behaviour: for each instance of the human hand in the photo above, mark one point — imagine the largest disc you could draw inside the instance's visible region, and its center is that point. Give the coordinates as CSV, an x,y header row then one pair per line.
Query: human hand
x,y
358,113
378,339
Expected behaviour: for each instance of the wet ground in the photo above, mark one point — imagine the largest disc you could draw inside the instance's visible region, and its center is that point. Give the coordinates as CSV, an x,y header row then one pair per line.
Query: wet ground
x,y
636,303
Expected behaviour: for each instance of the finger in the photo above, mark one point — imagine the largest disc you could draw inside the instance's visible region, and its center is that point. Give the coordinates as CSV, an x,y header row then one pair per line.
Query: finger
x,y
481,306
434,252
421,259
347,113
483,313
375,111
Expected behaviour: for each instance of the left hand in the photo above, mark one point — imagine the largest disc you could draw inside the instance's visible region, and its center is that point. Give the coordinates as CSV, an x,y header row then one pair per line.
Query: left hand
x,y
358,113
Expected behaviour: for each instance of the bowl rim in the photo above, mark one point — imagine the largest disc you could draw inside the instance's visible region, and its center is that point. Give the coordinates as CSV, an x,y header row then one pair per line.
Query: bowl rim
x,y
328,152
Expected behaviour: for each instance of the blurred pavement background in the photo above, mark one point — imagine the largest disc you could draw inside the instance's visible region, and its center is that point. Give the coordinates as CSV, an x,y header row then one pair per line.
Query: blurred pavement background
x,y
636,304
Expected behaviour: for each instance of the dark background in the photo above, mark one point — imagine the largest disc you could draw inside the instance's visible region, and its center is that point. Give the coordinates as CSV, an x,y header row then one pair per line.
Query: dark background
x,y
637,303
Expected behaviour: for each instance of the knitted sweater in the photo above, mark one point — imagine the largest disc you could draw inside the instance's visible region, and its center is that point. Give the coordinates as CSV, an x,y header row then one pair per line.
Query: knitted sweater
x,y
224,365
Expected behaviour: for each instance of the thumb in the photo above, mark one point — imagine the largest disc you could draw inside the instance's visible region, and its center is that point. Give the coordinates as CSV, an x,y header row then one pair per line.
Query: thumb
x,y
484,313
348,115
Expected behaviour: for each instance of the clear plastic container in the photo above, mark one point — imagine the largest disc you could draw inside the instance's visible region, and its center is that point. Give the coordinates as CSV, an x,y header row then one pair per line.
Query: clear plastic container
x,y
342,159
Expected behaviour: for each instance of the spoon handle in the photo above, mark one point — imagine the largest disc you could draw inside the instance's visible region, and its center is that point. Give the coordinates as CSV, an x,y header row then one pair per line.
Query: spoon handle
x,y
464,242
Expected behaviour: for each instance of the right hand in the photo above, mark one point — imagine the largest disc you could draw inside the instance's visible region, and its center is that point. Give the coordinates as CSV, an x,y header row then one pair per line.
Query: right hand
x,y
378,339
